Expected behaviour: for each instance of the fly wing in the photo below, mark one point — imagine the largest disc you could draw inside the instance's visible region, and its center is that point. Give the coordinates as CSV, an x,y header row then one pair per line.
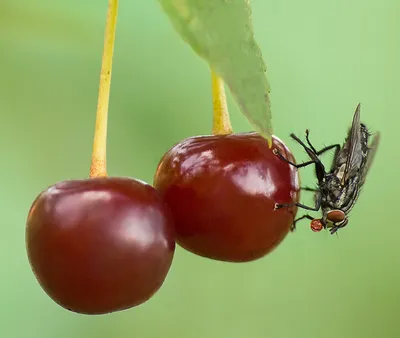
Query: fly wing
x,y
370,156
354,151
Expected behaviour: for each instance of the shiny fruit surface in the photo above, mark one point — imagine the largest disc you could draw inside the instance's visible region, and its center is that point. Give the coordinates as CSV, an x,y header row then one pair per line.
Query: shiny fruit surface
x,y
100,245
222,191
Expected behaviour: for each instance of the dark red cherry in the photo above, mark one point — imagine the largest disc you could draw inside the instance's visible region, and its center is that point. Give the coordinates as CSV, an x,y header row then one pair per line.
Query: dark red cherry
x,y
222,191
100,245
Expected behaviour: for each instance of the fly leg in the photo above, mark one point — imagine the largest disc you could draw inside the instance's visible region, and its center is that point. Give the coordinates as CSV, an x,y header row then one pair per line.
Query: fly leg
x,y
293,226
309,189
308,141
323,150
318,199
301,165
314,158
319,167
310,152
334,230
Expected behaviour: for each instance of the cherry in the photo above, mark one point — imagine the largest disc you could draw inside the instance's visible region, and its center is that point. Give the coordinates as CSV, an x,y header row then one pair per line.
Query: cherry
x,y
100,245
222,190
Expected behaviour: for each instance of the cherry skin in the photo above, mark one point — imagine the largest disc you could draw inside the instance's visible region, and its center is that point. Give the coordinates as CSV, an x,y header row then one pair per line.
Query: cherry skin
x,y
222,191
100,245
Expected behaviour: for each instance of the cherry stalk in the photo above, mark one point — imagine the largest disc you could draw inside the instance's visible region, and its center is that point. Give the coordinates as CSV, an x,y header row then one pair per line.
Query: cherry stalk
x,y
98,166
221,120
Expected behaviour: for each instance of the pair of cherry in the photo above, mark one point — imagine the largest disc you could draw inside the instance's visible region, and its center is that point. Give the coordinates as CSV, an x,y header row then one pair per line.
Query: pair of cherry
x,y
106,244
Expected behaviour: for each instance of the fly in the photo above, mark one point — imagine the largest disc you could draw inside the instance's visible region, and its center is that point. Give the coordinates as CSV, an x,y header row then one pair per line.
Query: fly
x,y
337,189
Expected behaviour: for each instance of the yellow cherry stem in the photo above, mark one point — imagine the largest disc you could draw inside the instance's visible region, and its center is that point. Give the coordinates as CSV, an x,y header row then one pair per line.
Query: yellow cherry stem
x,y
98,166
221,121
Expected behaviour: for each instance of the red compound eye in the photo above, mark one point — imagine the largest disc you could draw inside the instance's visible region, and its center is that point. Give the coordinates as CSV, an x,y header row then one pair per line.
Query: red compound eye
x,y
316,225
336,216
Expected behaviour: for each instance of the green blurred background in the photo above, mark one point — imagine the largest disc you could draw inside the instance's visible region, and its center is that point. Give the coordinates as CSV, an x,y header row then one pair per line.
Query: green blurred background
x,y
323,57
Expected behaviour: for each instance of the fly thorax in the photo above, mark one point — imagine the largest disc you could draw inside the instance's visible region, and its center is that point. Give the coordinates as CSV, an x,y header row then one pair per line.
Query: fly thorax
x,y
333,189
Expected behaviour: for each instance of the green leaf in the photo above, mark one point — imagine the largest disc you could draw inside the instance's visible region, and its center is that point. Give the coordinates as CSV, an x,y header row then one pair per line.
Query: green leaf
x,y
221,32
